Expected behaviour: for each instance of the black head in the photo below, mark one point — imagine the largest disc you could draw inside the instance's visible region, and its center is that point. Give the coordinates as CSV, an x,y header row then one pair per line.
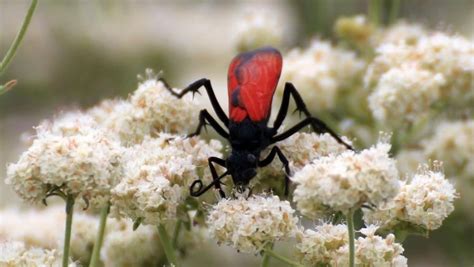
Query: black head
x,y
242,166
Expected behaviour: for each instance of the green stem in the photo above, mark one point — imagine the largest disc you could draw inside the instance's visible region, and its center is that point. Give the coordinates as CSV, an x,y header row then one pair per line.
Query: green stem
x,y
176,232
19,37
393,12
167,245
266,257
104,212
374,11
350,228
270,252
67,234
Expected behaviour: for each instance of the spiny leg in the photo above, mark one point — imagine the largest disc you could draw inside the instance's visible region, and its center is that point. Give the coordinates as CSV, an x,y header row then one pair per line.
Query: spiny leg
x,y
194,88
317,125
205,116
276,151
215,179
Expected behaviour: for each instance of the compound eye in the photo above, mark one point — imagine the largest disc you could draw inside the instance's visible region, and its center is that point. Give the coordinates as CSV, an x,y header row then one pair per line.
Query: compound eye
x,y
251,158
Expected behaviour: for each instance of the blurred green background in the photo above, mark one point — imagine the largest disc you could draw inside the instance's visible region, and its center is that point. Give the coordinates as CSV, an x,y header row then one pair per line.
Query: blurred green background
x,y
77,53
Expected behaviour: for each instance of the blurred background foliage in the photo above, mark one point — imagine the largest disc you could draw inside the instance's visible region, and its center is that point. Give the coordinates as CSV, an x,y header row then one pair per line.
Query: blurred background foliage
x,y
77,53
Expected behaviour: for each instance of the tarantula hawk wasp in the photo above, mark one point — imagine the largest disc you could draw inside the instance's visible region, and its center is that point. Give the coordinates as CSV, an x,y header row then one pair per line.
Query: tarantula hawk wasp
x,y
252,79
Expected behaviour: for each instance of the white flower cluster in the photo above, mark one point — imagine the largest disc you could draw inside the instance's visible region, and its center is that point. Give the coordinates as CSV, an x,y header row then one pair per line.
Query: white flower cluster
x,y
17,254
355,178
73,154
157,175
453,144
426,200
436,68
150,110
320,246
302,148
125,247
404,94
257,28
320,72
373,250
249,224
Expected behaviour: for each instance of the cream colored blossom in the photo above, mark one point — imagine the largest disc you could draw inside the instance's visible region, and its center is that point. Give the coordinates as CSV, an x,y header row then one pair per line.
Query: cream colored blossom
x,y
319,246
347,180
257,28
449,57
157,175
453,144
151,109
125,247
320,72
426,200
14,254
401,31
77,157
373,250
404,94
248,224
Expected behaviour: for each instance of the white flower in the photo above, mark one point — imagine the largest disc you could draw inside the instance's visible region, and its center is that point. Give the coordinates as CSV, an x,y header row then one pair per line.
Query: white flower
x,y
347,180
426,200
404,94
319,246
320,72
150,110
453,144
16,254
402,31
157,176
125,247
373,250
256,29
82,161
248,224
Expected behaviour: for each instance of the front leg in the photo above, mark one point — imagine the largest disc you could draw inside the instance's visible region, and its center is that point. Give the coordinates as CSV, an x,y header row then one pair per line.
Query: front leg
x,y
317,125
195,192
276,151
194,88
205,116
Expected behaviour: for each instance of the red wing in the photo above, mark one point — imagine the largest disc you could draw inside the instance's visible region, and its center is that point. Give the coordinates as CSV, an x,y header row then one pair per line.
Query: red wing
x,y
252,80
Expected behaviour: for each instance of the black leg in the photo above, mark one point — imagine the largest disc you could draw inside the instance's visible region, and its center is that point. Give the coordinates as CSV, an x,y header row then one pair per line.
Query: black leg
x,y
276,151
317,125
194,88
205,116
195,192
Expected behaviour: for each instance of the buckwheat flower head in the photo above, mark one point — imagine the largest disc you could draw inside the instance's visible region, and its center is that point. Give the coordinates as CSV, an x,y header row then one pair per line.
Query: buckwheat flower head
x,y
453,143
347,180
248,224
373,250
320,72
256,29
157,175
319,246
125,247
302,148
404,94
426,200
401,31
16,254
83,162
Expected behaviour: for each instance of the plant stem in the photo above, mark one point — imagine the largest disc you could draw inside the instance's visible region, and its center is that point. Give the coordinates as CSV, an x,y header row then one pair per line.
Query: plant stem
x,y
176,232
374,12
104,212
270,252
266,257
393,12
350,228
19,37
67,234
167,245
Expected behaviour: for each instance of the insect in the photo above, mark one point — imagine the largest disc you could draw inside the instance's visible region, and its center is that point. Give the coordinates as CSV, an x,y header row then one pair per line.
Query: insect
x,y
252,79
